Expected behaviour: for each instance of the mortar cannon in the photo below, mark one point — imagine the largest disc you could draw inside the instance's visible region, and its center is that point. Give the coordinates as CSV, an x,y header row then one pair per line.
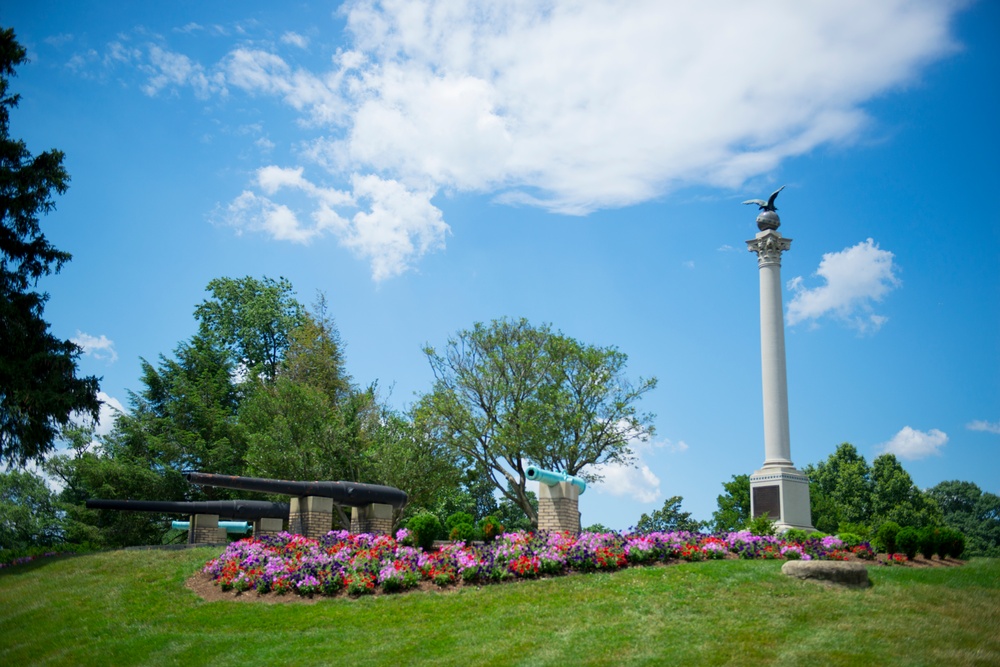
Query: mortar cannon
x,y
551,478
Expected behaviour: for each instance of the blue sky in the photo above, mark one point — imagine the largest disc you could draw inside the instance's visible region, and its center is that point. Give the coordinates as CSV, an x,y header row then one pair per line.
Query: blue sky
x,y
429,165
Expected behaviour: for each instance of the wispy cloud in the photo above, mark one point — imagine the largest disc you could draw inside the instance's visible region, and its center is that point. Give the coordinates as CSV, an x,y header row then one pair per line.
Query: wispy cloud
x,y
636,480
911,444
99,347
854,279
983,425
572,106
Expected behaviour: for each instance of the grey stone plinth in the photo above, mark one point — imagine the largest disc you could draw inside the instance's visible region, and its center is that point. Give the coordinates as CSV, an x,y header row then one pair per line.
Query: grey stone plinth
x,y
782,492
559,507
854,575
375,518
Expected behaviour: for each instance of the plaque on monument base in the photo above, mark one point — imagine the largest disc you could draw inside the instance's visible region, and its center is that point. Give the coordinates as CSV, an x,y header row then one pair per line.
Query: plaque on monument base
x,y
783,493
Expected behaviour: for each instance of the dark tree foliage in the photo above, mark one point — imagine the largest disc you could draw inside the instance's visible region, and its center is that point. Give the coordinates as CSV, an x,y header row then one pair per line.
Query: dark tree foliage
x,y
973,512
39,389
734,506
668,518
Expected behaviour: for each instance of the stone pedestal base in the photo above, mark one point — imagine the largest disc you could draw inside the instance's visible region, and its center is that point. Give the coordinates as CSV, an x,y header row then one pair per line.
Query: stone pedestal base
x,y
783,493
375,518
267,527
558,507
310,516
204,529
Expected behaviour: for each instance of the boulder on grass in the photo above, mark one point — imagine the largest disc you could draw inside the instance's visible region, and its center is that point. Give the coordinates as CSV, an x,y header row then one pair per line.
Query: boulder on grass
x,y
840,573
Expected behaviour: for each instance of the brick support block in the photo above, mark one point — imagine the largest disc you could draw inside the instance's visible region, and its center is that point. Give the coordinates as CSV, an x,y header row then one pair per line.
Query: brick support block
x,y
204,529
375,518
559,507
267,527
310,516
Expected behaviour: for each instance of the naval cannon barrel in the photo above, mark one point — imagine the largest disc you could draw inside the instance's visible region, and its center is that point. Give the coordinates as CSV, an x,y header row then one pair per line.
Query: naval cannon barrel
x,y
352,494
231,527
551,478
234,509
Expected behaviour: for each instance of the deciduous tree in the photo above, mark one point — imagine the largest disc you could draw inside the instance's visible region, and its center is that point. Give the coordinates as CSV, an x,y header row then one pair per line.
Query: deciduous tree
x,y
509,394
734,506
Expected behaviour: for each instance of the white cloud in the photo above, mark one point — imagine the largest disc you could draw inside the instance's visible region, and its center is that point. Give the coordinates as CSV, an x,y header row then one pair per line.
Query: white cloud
x,y
636,479
983,425
911,445
636,482
99,347
111,407
577,106
854,278
295,39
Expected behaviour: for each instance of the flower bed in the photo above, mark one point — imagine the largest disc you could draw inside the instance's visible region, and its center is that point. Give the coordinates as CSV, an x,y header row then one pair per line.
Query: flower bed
x,y
362,564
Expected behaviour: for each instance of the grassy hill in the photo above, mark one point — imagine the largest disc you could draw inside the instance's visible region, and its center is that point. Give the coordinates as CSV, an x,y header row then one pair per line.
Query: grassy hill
x,y
133,608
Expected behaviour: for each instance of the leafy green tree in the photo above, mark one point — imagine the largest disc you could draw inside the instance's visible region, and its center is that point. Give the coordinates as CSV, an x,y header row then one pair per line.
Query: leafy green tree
x,y
840,489
668,518
28,512
402,456
973,512
253,320
896,498
510,394
39,389
734,506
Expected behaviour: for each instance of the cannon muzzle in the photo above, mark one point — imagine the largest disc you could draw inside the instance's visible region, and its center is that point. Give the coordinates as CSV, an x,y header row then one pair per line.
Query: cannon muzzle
x,y
352,494
551,478
247,510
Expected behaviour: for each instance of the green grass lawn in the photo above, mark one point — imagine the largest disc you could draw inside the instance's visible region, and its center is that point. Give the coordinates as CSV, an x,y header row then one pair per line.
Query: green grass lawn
x,y
132,608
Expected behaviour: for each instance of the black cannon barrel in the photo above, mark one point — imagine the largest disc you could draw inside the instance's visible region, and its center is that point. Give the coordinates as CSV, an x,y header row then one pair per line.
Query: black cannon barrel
x,y
244,510
353,494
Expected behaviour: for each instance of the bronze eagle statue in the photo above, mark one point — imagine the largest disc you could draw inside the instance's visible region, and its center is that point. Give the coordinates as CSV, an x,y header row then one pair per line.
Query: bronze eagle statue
x,y
769,204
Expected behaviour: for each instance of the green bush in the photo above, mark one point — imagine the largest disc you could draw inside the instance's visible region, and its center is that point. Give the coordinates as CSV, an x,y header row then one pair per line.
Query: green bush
x,y
463,532
795,535
908,542
945,535
491,528
929,538
850,539
861,530
956,544
761,525
456,519
817,535
886,537
424,528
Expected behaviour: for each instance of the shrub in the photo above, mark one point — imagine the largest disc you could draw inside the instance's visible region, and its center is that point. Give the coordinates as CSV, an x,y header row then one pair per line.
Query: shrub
x,y
908,542
850,539
886,537
795,535
943,542
491,528
424,528
456,519
761,525
817,535
956,544
463,532
929,538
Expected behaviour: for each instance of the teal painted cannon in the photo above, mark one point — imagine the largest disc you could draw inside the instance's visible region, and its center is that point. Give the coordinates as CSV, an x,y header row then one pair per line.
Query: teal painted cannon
x,y
232,527
550,478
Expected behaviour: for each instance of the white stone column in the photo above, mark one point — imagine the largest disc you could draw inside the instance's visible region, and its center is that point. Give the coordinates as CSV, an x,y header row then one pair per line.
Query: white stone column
x,y
778,488
769,245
